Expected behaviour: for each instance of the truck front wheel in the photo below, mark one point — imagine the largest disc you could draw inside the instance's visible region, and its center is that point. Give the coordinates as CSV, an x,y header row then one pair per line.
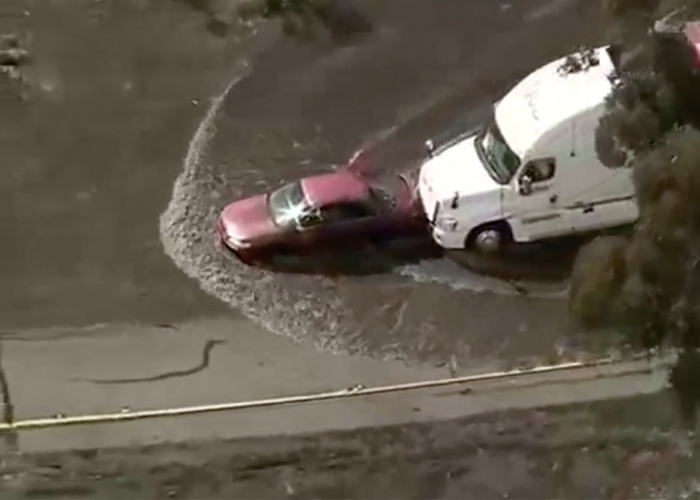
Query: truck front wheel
x,y
490,238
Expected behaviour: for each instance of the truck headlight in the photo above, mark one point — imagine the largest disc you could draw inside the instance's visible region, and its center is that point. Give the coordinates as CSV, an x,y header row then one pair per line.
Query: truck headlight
x,y
446,223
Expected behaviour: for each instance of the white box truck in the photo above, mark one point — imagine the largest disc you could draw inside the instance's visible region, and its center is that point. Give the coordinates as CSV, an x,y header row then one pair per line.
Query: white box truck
x,y
532,171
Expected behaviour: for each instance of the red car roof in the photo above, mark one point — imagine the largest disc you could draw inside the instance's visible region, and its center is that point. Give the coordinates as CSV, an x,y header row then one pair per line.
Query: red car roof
x,y
336,187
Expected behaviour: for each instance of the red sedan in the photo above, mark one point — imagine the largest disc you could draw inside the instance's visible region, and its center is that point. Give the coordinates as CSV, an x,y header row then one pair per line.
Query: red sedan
x,y
330,210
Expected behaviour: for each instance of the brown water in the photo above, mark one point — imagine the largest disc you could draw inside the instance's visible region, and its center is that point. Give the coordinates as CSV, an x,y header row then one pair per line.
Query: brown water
x,y
116,92
300,108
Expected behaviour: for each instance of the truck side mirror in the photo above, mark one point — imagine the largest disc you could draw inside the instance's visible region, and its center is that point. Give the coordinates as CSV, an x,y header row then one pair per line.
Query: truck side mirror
x,y
525,187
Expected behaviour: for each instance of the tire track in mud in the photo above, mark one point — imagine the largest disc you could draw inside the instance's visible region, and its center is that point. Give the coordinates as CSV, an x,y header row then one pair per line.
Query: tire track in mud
x,y
188,239
268,127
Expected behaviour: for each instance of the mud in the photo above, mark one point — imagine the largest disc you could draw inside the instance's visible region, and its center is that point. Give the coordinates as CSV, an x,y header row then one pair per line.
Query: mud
x,y
114,91
599,450
93,153
302,107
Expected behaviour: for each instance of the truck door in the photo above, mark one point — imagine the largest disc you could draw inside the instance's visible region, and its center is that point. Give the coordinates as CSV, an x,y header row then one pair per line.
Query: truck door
x,y
588,217
608,203
538,212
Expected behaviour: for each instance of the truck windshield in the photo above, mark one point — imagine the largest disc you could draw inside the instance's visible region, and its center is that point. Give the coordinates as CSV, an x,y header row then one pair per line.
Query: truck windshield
x,y
288,204
500,161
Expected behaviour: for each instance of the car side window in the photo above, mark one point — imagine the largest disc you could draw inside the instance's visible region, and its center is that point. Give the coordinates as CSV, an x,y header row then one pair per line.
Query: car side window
x,y
540,170
344,212
309,219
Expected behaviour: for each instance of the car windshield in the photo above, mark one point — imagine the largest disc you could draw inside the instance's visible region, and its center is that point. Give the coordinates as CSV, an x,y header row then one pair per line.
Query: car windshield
x,y
500,161
287,204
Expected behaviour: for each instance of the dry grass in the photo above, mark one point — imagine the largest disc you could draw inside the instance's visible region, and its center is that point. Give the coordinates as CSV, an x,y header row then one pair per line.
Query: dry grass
x,y
582,451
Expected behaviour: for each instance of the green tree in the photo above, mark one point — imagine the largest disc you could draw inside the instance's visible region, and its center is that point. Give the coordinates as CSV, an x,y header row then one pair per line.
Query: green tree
x,y
645,284
646,287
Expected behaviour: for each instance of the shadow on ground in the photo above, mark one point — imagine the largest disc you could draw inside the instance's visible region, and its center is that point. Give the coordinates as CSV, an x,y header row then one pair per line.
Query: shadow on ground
x,y
548,262
369,259
545,261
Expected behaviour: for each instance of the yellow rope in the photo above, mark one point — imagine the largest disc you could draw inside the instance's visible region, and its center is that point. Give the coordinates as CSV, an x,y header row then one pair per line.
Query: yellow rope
x,y
61,421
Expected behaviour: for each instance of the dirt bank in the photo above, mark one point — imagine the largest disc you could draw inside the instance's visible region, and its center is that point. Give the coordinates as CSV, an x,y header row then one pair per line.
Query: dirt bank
x,y
586,451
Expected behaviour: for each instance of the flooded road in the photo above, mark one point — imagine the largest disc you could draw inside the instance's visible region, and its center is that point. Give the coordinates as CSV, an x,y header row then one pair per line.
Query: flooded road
x,y
301,108
91,157
113,295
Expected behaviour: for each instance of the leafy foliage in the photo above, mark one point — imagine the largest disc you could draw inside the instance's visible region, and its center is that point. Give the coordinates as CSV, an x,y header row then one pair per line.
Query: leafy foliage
x,y
642,108
649,285
646,288
596,282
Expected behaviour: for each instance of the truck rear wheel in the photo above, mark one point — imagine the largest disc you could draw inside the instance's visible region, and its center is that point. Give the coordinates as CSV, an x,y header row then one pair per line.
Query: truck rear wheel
x,y
490,238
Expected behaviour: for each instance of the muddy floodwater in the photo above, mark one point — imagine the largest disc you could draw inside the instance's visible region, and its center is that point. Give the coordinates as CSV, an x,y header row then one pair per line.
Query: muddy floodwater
x,y
299,109
134,123
124,148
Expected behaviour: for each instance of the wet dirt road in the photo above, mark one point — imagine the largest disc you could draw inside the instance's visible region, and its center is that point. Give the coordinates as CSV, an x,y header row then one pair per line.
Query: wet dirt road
x,y
304,107
117,89
90,161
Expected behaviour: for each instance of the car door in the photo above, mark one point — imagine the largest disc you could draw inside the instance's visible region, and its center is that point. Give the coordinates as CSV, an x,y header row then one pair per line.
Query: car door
x,y
349,223
308,232
538,210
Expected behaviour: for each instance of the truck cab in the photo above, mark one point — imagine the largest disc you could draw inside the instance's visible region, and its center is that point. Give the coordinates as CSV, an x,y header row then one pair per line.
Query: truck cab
x,y
531,171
